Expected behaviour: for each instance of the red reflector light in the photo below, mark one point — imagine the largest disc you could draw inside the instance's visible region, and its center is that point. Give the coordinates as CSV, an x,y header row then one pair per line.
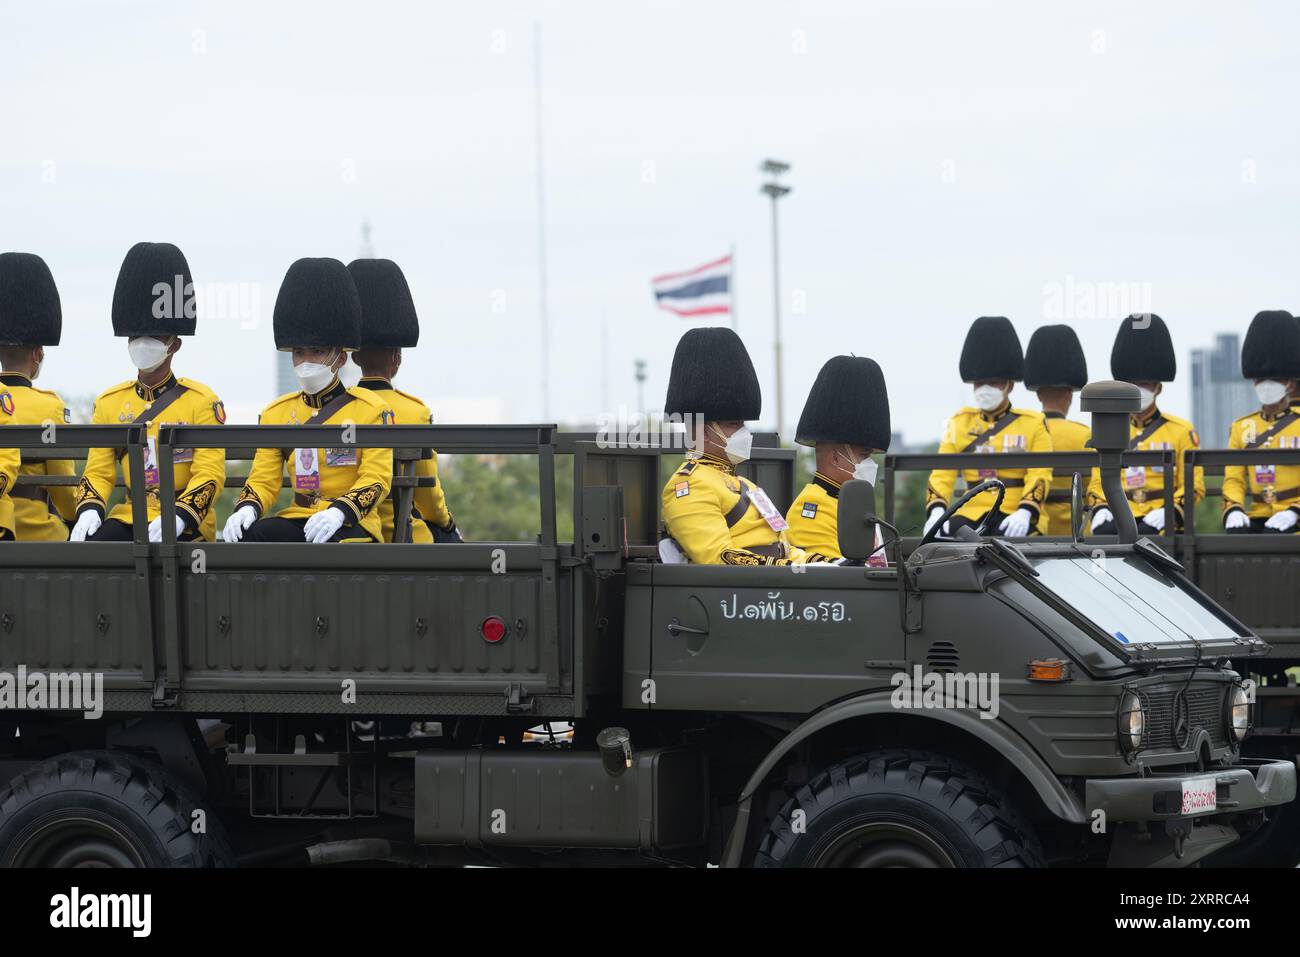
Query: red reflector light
x,y
493,629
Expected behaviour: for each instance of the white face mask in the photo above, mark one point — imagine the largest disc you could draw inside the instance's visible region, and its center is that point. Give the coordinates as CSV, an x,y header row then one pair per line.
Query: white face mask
x,y
988,397
1146,397
313,376
737,445
1270,391
147,353
864,470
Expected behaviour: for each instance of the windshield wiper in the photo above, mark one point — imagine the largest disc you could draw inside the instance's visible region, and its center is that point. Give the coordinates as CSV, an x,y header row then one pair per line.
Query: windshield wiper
x,y
1150,550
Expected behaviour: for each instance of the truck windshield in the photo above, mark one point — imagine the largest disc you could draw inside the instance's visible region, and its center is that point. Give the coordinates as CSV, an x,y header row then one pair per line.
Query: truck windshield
x,y
1132,599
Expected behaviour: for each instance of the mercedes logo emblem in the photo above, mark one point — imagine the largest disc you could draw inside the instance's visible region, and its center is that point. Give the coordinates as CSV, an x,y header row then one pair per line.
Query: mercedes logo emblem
x,y
1182,720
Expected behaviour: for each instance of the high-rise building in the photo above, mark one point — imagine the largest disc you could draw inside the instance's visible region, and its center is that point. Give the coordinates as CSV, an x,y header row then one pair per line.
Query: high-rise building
x,y
1219,393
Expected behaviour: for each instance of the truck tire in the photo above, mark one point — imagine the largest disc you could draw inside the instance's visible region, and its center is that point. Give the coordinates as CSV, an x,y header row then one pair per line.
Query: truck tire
x,y
899,809
105,809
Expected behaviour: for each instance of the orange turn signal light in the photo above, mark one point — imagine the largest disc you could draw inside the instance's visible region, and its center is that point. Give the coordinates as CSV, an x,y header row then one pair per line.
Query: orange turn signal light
x,y
1049,669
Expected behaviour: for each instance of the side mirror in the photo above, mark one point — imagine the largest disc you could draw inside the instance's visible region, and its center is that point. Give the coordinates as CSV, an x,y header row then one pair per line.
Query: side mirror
x,y
856,520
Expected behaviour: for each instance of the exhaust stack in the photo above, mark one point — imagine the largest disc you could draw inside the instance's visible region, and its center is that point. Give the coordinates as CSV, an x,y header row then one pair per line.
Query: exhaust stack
x,y
1111,403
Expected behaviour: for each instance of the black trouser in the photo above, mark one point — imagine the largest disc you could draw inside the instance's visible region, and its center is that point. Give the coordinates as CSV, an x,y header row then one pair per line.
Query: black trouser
x,y
116,530
291,530
995,522
7,535
1257,526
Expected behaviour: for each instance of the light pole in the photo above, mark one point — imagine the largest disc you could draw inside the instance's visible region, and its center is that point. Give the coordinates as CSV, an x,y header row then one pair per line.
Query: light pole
x,y
774,168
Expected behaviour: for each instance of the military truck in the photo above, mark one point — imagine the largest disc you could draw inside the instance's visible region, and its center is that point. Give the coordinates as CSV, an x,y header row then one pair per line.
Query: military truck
x,y
977,703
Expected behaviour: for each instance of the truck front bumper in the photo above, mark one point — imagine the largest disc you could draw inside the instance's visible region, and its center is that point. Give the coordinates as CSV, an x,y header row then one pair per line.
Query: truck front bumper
x,y
1246,786
1145,815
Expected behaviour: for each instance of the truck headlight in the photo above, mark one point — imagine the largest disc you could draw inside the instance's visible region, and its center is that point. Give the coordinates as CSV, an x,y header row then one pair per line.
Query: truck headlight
x,y
1131,722
1238,712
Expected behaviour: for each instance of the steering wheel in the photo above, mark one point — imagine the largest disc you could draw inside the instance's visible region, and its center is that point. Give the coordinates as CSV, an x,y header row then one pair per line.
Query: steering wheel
x,y
954,508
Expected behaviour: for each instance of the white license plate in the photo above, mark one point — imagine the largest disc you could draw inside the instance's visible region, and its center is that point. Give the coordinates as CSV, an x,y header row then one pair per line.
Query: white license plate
x,y
1200,796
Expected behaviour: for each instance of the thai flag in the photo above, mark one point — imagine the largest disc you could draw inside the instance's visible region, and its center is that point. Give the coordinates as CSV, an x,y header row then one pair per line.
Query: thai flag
x,y
704,291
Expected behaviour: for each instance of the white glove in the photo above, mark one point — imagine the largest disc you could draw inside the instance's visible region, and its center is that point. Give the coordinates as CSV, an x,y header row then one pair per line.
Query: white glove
x,y
1016,525
1155,518
1238,519
321,526
155,528
1100,517
932,518
1283,521
88,523
239,520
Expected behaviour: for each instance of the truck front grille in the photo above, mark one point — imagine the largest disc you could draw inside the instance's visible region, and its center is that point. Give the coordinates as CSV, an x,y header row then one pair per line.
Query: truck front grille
x,y
1204,710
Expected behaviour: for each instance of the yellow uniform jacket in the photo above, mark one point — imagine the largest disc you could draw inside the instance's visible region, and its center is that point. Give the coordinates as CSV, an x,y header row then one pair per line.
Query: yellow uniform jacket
x,y
1145,485
971,430
1067,436
814,517
1271,488
430,504
200,473
37,514
355,479
714,515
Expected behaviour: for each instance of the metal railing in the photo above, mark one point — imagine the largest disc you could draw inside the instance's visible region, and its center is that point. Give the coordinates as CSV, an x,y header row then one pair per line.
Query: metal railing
x,y
1081,463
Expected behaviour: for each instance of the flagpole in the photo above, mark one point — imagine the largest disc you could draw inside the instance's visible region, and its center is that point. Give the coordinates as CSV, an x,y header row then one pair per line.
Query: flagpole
x,y
735,292
541,228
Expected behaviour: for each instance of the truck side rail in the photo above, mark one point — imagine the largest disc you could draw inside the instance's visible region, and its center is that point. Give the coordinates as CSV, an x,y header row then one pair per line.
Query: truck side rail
x,y
158,569
1081,463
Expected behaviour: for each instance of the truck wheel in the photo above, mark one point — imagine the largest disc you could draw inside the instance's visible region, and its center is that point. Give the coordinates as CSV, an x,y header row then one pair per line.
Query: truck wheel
x,y
105,809
899,809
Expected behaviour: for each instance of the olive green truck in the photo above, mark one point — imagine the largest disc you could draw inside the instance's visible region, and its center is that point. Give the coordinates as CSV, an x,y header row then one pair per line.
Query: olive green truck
x,y
975,703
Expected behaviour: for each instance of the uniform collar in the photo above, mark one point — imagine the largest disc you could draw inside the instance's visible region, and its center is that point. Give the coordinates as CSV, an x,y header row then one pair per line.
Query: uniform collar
x,y
376,382
722,465
1262,414
996,413
1053,415
830,487
321,399
15,378
150,393
1138,420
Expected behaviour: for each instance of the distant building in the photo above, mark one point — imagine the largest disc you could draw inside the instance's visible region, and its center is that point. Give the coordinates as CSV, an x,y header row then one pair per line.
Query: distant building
x,y
1219,393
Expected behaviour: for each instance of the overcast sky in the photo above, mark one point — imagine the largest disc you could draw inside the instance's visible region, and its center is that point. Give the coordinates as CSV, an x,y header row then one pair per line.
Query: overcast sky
x,y
949,160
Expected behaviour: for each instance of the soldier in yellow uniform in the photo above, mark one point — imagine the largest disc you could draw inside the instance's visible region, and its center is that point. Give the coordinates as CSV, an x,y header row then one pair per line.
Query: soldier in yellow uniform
x,y
30,319
846,419
1271,357
712,516
153,307
992,362
1055,368
336,491
1143,354
388,325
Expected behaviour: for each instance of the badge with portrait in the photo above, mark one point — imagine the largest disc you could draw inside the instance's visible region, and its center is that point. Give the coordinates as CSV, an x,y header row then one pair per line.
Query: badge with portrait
x,y
986,448
1135,476
151,463
1265,475
771,515
306,470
